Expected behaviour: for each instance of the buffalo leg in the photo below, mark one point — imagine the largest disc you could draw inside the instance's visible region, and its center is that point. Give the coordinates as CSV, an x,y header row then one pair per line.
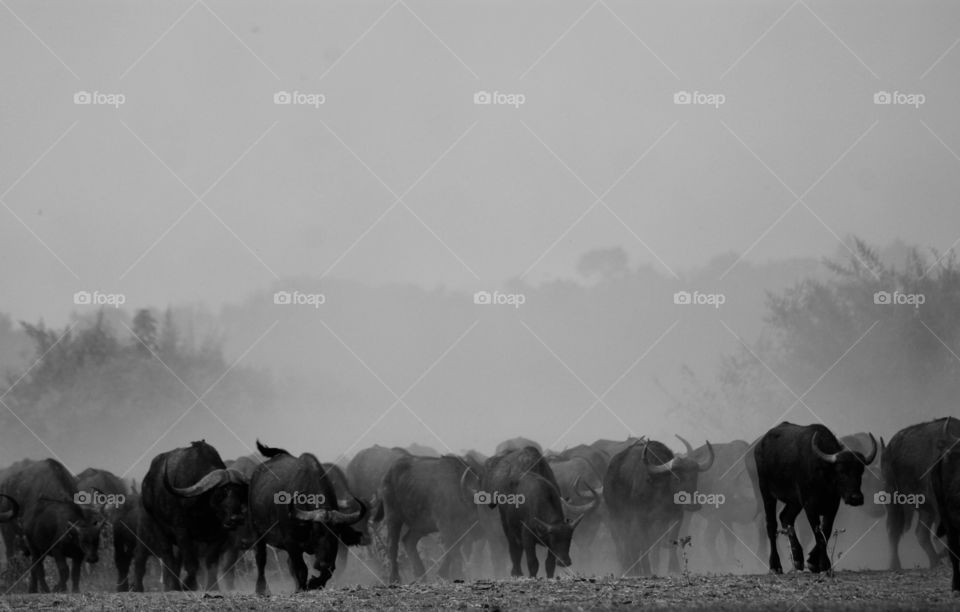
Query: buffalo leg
x,y
410,540
788,518
953,549
170,567
896,521
770,514
122,555
260,553
140,567
530,549
62,571
393,544
76,564
925,522
190,558
231,556
551,564
298,569
516,553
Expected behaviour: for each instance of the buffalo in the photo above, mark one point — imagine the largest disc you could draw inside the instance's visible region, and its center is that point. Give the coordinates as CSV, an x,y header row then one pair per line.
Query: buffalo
x,y
241,538
518,443
906,466
574,469
647,488
294,507
56,521
522,486
426,495
365,472
192,499
807,468
945,483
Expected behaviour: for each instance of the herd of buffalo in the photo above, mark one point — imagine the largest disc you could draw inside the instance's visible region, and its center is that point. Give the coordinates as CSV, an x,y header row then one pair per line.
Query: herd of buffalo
x,y
194,509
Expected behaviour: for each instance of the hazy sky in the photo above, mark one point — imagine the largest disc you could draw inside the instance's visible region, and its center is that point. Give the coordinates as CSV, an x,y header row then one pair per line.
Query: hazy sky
x,y
97,197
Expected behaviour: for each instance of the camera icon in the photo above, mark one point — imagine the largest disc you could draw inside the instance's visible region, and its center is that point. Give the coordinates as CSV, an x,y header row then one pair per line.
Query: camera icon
x,y
282,297
682,297
282,97
82,297
282,498
482,297
882,97
681,497
482,97
82,97
82,498
881,498
882,297
682,97
482,498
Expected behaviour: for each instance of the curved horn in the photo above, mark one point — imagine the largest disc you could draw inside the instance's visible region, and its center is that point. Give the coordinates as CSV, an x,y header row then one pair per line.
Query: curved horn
x,y
873,453
657,469
576,521
12,513
212,480
595,493
709,464
685,443
828,458
581,509
330,517
463,482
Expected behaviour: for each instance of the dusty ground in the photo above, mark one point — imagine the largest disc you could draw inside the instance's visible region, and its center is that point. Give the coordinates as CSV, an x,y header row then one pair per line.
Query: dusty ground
x,y
908,590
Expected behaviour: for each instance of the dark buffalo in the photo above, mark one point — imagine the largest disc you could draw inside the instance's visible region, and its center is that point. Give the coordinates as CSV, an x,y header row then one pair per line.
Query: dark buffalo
x,y
647,488
12,531
872,484
294,507
522,486
53,522
425,495
945,482
518,443
807,468
365,472
193,501
906,467
574,472
727,476
135,538
349,535
491,539
241,538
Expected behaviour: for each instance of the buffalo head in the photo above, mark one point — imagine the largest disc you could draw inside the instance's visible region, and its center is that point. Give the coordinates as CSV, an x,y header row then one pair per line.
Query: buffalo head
x,y
682,470
228,494
847,466
556,537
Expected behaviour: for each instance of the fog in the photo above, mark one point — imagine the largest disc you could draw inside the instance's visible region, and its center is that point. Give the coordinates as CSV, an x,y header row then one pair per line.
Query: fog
x,y
387,195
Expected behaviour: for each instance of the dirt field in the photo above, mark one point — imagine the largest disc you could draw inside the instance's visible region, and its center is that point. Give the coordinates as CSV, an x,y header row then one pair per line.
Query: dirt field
x,y
908,590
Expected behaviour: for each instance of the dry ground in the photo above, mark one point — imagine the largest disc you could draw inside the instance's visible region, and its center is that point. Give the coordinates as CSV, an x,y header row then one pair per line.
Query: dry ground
x,y
846,590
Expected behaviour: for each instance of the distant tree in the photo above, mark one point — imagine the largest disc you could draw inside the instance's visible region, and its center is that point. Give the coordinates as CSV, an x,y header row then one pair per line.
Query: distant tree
x,y
145,330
